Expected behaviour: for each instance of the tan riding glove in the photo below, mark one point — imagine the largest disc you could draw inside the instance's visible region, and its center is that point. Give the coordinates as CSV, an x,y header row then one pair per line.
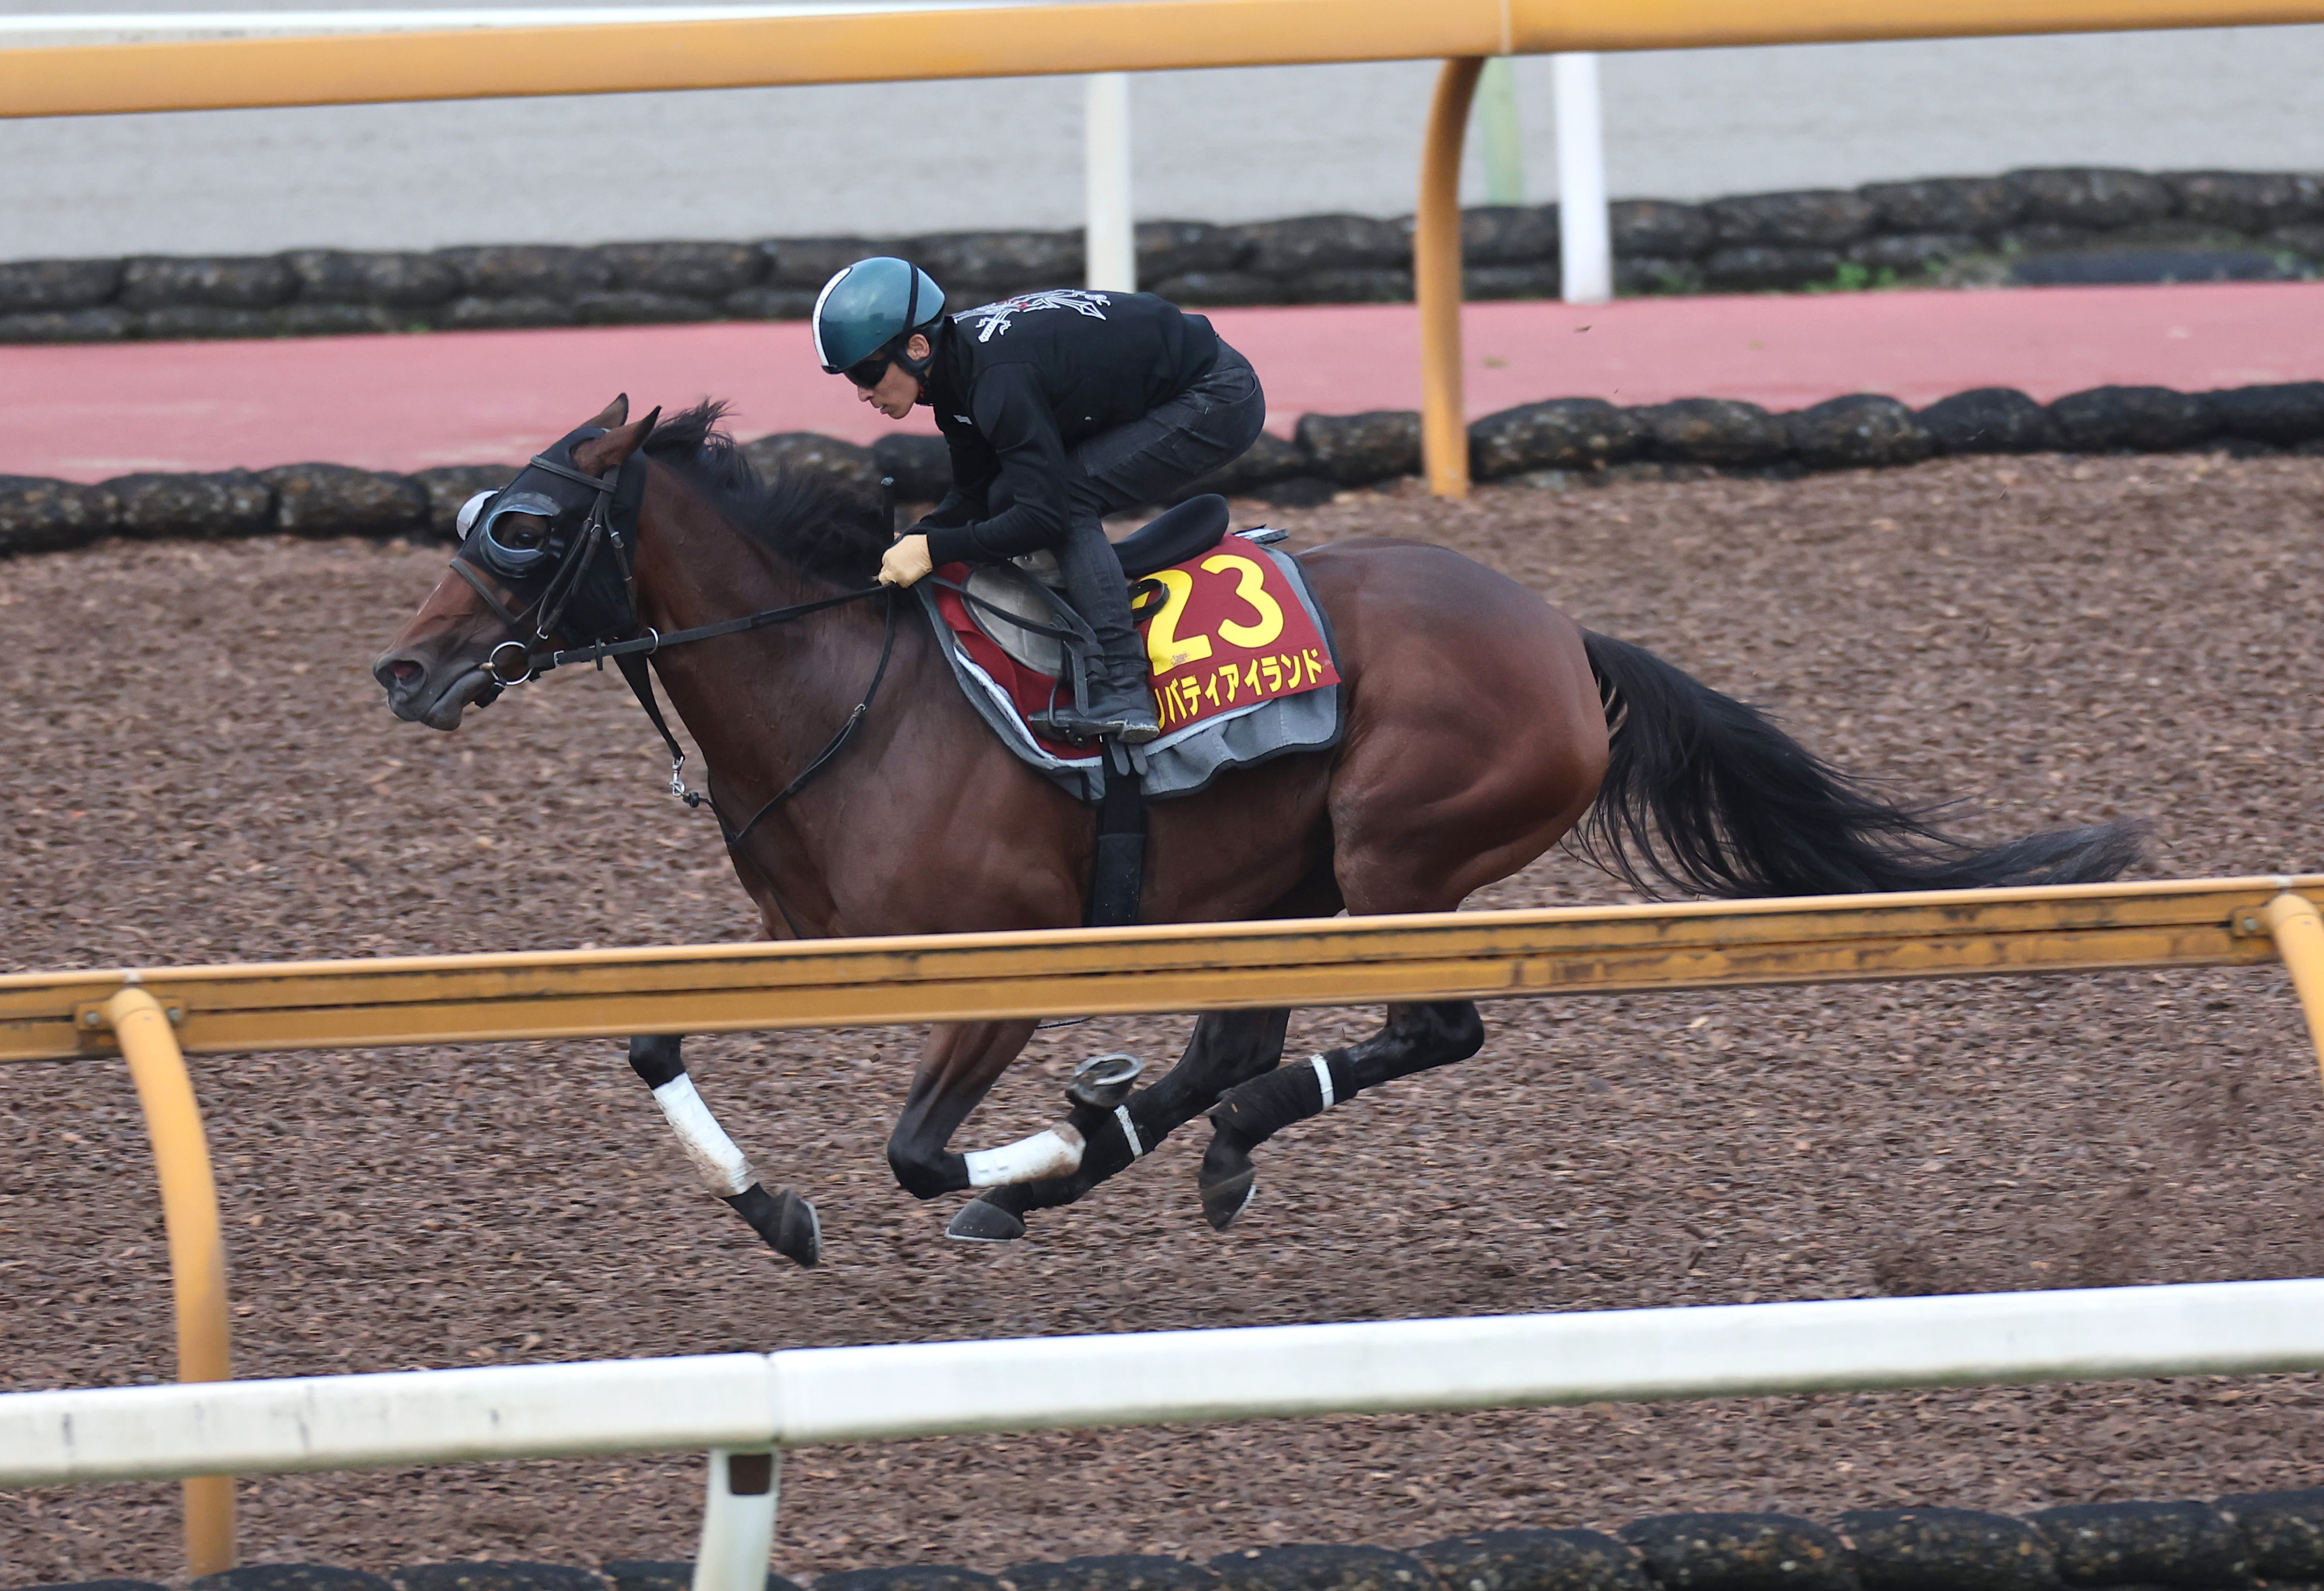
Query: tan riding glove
x,y
905,562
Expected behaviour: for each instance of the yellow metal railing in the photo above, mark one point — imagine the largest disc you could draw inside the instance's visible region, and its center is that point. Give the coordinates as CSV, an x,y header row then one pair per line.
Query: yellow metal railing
x,y
1198,966
153,1017
139,1024
1033,40
1436,280
1002,42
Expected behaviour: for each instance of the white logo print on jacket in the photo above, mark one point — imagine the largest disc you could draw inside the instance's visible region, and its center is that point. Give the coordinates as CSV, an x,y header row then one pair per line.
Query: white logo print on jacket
x,y
992,321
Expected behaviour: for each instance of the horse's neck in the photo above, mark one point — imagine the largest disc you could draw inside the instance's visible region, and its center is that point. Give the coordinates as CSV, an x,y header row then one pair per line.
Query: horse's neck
x,y
760,709
695,568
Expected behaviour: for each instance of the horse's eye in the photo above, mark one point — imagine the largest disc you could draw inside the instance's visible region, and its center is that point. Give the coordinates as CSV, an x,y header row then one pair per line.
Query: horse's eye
x,y
521,530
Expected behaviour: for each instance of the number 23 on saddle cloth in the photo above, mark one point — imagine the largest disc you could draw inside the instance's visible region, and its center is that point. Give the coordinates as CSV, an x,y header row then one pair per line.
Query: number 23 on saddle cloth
x,y
1241,655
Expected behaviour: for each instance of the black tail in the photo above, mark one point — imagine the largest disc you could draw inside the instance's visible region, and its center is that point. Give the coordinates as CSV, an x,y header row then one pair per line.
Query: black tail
x,y
1705,795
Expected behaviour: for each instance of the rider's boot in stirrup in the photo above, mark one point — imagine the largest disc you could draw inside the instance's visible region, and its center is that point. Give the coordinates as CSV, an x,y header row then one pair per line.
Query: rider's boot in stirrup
x,y
1121,705
1121,699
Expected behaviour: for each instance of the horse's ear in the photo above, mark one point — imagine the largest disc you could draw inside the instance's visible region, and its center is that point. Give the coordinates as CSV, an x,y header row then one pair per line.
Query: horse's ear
x,y
615,412
600,454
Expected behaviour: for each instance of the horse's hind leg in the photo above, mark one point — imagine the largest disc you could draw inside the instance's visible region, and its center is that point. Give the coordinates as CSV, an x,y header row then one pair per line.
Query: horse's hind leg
x,y
1227,1048
1414,1039
784,1219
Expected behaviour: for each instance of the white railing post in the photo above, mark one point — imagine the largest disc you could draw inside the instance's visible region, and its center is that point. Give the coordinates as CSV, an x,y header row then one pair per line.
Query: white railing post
x,y
1112,245
1585,246
738,1522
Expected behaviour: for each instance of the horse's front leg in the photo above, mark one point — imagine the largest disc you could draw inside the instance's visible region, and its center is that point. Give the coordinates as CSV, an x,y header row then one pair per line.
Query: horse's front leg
x,y
1228,1047
959,1064
784,1219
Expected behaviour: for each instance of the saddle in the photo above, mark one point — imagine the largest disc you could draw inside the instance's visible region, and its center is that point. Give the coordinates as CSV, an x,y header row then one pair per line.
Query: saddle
x,y
1016,604
1243,667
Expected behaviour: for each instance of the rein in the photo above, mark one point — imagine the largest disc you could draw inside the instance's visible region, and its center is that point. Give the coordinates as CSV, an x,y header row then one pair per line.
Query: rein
x,y
627,658
536,663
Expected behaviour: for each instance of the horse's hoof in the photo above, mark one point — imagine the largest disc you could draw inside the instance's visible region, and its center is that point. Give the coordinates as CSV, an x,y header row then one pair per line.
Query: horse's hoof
x,y
1103,1081
983,1221
1228,1179
786,1221
1222,1201
798,1233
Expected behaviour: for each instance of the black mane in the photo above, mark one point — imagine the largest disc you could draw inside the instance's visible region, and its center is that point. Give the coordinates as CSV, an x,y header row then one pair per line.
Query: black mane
x,y
817,523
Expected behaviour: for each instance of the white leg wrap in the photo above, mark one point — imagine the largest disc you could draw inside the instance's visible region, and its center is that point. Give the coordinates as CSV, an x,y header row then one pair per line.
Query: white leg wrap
x,y
1129,1132
705,1143
1324,1075
1056,1153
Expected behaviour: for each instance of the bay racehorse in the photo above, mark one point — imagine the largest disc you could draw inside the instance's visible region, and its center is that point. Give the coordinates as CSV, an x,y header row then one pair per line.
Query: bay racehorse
x,y
1482,726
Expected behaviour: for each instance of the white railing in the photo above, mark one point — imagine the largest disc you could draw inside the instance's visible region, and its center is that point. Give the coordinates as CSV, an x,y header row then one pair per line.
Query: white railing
x,y
1110,223
744,1405
1585,235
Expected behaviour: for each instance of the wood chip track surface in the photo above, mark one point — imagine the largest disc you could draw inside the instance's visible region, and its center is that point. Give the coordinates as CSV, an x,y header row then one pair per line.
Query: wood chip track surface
x,y
200,769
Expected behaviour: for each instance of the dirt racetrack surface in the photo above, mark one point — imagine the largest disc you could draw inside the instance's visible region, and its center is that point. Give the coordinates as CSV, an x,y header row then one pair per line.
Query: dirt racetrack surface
x,y
200,769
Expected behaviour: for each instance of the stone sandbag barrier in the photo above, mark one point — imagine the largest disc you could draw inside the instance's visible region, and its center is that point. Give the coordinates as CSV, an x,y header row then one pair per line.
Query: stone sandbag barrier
x,y
2049,226
1554,444
2247,1543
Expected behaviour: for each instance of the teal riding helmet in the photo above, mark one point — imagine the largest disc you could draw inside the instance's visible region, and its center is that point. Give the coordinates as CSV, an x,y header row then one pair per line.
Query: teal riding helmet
x,y
869,306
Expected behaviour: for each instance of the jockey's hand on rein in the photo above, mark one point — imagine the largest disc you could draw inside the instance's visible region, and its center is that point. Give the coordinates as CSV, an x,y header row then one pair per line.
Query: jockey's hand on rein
x,y
905,562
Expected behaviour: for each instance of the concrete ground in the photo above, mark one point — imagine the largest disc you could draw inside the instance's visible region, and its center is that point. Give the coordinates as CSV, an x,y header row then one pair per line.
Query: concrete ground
x,y
406,402
1216,145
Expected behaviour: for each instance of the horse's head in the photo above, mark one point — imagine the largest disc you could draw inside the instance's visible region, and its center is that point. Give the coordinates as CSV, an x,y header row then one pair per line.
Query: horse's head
x,y
546,560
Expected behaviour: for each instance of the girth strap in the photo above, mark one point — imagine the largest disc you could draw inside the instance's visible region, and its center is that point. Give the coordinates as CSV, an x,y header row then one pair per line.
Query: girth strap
x,y
1117,885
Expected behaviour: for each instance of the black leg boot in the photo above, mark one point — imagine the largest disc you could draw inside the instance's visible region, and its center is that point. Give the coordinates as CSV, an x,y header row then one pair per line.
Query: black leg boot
x,y
1120,698
1249,1113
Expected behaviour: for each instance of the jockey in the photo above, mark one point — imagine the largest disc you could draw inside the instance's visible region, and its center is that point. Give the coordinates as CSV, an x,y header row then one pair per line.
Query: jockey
x,y
1060,407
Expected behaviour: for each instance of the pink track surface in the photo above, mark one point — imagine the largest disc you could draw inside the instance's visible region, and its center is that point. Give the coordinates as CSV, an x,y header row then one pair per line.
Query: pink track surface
x,y
406,402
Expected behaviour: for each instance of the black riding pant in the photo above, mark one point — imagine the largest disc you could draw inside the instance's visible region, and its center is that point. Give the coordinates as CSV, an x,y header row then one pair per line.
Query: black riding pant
x,y
1152,460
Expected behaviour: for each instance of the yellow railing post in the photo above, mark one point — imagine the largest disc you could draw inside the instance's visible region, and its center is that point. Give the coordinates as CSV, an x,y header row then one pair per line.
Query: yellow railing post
x,y
1437,281
189,1209
2299,939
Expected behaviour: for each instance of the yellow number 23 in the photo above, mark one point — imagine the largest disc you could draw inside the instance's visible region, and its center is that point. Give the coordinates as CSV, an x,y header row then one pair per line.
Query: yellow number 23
x,y
1168,649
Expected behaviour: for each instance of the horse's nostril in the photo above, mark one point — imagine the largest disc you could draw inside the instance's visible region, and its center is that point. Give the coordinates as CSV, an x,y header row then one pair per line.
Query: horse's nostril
x,y
403,671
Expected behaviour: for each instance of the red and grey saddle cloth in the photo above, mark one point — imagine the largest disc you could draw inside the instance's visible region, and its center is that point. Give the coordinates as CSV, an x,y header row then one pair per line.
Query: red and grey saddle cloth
x,y
1243,665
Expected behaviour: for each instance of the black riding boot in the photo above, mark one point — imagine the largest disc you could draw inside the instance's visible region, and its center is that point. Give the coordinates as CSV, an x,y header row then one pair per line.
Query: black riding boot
x,y
1121,699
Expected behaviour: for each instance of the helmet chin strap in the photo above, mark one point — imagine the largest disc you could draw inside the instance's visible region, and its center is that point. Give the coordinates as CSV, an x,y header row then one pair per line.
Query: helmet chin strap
x,y
918,369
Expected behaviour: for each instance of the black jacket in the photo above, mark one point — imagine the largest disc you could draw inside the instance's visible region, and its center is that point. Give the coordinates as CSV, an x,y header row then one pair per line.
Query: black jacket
x,y
1017,385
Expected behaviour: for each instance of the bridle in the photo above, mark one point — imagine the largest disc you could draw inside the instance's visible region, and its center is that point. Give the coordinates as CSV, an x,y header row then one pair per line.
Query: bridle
x,y
553,573
594,561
